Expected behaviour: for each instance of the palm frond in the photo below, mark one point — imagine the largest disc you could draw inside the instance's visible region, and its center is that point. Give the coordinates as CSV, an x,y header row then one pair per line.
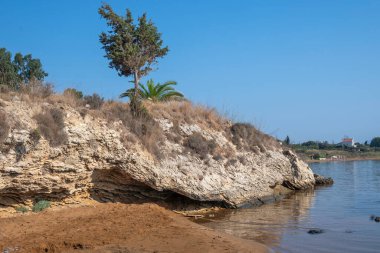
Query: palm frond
x,y
165,86
128,93
154,92
144,92
170,95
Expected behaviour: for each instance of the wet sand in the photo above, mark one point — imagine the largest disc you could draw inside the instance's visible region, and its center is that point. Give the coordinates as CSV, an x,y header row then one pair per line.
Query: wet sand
x,y
114,228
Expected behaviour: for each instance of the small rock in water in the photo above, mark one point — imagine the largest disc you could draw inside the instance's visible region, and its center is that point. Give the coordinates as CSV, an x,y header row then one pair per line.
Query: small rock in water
x,y
315,231
375,218
320,180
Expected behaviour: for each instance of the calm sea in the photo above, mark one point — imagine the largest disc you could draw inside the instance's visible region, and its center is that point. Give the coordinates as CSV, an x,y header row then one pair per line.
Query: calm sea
x,y
342,211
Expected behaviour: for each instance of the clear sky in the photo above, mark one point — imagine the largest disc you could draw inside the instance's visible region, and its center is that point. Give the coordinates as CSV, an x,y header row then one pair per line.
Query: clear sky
x,y
307,69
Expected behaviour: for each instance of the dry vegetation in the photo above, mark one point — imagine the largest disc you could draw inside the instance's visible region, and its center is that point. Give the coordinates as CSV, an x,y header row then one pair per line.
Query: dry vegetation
x,y
94,101
186,112
51,126
72,98
143,129
37,89
4,127
247,137
197,144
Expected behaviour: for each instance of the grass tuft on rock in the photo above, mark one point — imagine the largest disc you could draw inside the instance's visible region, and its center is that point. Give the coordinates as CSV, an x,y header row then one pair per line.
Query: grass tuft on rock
x,y
22,209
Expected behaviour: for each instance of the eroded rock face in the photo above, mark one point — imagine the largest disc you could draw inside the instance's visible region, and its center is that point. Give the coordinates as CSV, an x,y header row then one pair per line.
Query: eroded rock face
x,y
96,164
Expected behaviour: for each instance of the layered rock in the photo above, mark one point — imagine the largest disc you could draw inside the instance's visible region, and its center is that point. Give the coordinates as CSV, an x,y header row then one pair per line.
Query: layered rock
x,y
96,163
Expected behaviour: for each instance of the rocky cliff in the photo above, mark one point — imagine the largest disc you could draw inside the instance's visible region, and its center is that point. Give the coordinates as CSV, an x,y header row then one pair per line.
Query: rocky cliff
x,y
199,155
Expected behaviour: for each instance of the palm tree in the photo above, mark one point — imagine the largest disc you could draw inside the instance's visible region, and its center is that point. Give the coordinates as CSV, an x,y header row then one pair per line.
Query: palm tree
x,y
154,92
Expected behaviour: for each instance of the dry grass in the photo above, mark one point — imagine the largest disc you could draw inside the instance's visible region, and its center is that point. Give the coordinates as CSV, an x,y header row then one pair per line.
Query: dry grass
x,y
145,128
51,126
7,96
244,136
73,100
197,144
186,112
36,89
94,101
4,127
67,99
247,137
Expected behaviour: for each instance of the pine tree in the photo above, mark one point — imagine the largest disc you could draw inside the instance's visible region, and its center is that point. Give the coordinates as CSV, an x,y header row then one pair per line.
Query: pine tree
x,y
131,48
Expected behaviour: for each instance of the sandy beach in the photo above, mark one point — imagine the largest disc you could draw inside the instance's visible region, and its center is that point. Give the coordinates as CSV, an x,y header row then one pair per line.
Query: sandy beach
x,y
114,228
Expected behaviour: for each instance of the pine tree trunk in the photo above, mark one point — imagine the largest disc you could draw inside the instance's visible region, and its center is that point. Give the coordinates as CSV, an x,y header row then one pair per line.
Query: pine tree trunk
x,y
135,103
136,80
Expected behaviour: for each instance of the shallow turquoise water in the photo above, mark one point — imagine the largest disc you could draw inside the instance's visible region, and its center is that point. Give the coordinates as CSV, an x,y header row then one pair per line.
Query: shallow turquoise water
x,y
343,211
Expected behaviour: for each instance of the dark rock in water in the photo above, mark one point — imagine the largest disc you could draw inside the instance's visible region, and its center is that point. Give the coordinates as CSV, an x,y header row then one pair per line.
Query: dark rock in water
x,y
315,231
375,218
320,180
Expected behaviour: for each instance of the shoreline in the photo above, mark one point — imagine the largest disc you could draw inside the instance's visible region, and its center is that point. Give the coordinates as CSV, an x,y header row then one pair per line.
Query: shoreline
x,y
110,227
344,160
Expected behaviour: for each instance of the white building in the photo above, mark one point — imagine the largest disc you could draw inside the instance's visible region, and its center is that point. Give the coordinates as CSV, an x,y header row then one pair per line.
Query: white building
x,y
348,142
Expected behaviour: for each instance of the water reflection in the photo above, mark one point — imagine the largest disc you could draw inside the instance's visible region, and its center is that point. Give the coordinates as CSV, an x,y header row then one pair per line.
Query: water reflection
x,y
342,211
265,223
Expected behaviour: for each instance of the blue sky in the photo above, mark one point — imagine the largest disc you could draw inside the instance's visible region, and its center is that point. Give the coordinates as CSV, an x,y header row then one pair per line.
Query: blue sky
x,y
307,69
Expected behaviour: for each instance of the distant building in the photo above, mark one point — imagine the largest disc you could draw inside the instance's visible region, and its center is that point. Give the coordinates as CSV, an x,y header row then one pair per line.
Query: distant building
x,y
347,142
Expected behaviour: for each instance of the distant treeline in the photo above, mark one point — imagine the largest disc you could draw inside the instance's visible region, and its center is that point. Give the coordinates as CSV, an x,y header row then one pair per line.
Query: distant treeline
x,y
18,70
374,145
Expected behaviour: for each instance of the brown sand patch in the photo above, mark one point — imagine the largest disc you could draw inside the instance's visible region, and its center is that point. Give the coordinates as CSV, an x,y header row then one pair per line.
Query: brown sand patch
x,y
114,228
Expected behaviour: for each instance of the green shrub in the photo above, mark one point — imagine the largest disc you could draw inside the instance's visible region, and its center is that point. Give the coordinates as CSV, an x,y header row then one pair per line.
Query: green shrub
x,y
22,209
40,205
35,136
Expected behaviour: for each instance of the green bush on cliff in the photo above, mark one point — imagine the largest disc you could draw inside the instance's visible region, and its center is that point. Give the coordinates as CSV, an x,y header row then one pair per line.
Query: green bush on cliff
x,y
41,205
35,136
22,209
